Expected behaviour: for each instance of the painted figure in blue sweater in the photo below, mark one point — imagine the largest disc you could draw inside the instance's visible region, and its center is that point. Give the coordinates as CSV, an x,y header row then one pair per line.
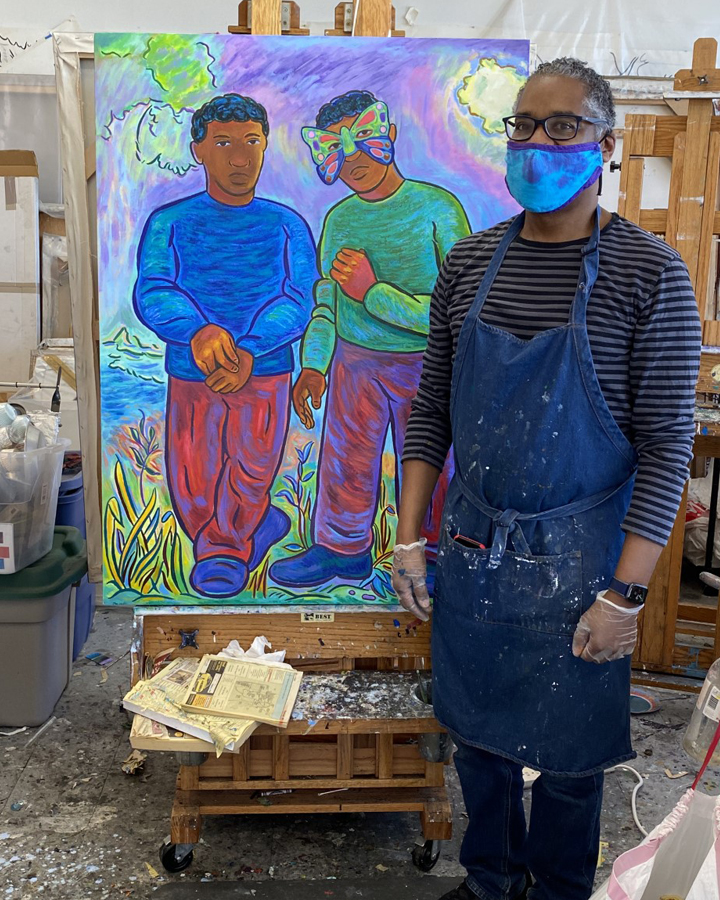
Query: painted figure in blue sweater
x,y
225,280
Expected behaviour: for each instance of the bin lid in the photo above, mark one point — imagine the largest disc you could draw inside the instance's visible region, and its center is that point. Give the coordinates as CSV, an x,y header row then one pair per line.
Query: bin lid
x,y
70,484
65,564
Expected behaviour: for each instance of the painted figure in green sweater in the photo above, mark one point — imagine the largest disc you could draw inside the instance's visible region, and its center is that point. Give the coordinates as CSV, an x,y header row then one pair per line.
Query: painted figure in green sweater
x,y
379,255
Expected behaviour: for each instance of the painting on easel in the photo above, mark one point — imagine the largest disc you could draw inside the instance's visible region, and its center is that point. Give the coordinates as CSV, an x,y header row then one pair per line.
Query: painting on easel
x,y
272,215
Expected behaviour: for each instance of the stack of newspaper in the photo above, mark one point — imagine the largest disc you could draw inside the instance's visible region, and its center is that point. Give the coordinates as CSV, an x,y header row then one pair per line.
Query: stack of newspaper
x,y
214,700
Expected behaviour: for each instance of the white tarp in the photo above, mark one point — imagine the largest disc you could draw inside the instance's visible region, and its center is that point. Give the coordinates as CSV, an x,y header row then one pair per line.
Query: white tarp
x,y
646,37
29,51
652,38
69,48
617,37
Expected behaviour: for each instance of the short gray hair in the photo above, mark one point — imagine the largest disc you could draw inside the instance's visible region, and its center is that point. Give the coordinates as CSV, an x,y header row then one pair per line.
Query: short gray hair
x,y
598,94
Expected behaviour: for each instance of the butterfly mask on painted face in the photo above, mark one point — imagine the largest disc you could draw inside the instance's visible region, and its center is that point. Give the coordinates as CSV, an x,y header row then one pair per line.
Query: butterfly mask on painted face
x,y
369,133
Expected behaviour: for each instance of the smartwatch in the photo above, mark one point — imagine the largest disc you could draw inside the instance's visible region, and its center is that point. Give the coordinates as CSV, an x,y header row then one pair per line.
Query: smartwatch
x,y
633,593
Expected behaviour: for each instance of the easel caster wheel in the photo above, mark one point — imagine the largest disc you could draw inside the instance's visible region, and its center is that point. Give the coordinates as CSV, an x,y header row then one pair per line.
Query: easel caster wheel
x,y
172,861
425,856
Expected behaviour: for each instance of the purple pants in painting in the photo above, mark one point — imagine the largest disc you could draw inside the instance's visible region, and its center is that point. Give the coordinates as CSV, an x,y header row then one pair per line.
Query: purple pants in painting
x,y
223,453
368,392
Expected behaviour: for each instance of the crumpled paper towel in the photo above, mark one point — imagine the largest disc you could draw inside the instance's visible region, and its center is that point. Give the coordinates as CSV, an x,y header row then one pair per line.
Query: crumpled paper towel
x,y
255,651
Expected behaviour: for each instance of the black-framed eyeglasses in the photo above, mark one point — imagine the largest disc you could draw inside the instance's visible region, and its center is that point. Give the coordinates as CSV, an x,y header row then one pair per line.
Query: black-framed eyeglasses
x,y
558,128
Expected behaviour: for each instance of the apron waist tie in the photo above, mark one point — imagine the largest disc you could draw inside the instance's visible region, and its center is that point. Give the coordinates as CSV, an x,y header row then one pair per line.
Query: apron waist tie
x,y
505,525
507,521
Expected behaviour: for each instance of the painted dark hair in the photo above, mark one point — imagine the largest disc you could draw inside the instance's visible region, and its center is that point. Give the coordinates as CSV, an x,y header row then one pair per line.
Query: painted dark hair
x,y
350,104
228,108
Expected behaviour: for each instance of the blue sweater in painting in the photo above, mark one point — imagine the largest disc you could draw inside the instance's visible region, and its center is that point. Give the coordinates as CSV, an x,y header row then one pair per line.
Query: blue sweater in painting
x,y
249,269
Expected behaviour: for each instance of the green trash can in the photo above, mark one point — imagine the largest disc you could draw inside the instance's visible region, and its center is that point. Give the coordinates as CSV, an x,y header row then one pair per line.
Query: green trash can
x,y
36,623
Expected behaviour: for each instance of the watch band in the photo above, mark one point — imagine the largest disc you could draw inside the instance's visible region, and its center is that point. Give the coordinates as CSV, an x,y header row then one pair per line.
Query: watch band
x,y
635,593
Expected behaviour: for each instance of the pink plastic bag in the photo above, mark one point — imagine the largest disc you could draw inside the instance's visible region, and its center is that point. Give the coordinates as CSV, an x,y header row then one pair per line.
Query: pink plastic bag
x,y
678,859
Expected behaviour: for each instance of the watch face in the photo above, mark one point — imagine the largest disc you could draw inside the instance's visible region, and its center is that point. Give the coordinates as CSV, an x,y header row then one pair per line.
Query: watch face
x,y
637,593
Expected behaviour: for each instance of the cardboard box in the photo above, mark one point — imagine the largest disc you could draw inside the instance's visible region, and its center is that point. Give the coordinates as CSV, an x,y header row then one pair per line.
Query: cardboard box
x,y
19,263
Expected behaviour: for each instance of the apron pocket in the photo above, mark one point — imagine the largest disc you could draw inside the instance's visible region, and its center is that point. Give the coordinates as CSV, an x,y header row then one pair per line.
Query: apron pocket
x,y
539,593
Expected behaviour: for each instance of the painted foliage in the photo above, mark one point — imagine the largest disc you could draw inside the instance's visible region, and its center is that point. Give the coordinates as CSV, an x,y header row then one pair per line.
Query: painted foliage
x,y
272,215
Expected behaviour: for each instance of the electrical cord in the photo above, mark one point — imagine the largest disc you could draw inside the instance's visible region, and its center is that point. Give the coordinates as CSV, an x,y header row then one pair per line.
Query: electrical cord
x,y
633,800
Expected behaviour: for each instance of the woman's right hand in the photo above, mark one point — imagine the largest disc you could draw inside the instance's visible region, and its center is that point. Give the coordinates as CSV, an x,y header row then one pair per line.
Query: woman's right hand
x,y
409,572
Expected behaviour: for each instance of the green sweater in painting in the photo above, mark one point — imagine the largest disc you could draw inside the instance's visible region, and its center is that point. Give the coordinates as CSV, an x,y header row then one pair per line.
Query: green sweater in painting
x,y
406,237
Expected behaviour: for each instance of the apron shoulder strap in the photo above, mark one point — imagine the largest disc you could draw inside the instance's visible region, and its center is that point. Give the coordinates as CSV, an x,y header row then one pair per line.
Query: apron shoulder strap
x,y
483,290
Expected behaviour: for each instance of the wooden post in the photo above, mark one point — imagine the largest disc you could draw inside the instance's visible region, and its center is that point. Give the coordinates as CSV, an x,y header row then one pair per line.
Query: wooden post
x,y
346,756
656,638
241,763
384,756
281,757
246,23
373,18
267,17
185,821
342,24
695,170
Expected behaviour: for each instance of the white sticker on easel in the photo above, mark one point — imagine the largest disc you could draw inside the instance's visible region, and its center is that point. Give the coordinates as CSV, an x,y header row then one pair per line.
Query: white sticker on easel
x,y
712,705
317,617
7,548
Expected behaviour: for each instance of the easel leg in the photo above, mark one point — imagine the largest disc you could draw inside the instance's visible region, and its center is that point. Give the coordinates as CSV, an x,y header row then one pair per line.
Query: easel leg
x,y
436,818
185,821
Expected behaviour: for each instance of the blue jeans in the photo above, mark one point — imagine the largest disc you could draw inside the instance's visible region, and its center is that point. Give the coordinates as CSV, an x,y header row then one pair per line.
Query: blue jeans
x,y
560,847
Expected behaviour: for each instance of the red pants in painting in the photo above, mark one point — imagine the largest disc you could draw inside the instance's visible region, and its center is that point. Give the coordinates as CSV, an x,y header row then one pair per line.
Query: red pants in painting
x,y
369,391
223,453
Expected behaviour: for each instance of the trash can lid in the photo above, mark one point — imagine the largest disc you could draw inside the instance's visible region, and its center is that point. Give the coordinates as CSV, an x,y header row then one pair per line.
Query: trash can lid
x,y
70,484
65,564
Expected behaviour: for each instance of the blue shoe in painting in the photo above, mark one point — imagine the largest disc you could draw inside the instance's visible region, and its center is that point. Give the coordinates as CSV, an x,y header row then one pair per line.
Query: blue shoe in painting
x,y
319,565
219,576
273,528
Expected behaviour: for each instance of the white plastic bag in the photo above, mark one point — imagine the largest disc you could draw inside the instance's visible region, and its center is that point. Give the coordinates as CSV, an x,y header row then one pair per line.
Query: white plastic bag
x,y
697,519
255,651
678,859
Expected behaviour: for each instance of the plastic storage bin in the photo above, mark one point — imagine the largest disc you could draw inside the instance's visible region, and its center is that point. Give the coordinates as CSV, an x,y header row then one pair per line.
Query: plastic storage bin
x,y
36,622
84,615
29,484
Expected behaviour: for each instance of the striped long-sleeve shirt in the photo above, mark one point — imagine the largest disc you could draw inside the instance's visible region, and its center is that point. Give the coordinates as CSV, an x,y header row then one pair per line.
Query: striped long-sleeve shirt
x,y
644,332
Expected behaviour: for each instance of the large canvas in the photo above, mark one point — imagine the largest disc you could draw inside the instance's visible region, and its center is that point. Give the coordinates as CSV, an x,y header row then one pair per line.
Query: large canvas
x,y
272,215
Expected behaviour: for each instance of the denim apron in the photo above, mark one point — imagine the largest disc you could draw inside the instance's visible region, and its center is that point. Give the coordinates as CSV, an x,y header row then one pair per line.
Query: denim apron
x,y
543,478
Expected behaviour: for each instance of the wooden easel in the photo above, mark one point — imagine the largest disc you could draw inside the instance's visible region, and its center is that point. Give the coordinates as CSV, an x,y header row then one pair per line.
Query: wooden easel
x,y
679,638
289,18
344,17
335,760
331,758
375,18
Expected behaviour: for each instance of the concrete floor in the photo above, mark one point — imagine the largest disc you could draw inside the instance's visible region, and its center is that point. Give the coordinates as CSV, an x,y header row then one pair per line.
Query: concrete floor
x,y
73,826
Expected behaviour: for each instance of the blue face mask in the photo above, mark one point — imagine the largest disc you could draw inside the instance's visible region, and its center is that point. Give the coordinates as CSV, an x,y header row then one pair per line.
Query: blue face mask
x,y
545,177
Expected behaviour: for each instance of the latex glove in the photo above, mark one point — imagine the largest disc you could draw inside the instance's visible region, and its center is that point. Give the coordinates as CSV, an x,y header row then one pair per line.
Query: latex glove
x,y
606,632
409,571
